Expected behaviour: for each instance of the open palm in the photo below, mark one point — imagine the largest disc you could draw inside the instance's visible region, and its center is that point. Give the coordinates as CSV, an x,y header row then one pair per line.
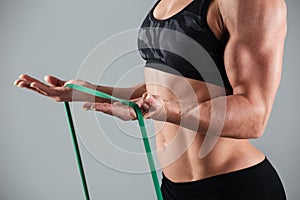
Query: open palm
x,y
55,88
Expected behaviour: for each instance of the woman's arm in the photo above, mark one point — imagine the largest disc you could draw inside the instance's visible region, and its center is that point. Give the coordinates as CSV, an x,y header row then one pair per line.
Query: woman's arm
x,y
253,61
56,89
129,93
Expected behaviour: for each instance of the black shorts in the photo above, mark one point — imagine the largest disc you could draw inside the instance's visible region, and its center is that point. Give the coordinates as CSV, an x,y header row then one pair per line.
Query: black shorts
x,y
259,182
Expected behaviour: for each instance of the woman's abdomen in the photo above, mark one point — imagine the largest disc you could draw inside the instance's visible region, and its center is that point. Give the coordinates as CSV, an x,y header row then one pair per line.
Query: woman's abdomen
x,y
178,148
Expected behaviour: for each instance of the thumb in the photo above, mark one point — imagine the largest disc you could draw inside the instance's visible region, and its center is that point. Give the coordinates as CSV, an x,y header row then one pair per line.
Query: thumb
x,y
153,101
148,98
53,81
157,106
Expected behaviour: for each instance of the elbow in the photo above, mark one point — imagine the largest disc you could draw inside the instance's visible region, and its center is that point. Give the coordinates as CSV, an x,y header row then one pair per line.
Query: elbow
x,y
260,118
257,132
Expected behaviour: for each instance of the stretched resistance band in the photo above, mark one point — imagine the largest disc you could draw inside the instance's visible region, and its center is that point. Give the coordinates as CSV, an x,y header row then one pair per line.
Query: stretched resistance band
x,y
143,130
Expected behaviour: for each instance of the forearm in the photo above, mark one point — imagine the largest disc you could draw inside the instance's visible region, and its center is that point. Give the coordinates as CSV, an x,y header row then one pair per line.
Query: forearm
x,y
128,93
228,116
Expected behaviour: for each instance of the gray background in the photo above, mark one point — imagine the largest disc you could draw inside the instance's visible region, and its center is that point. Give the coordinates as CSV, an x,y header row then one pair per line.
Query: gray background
x,y
53,37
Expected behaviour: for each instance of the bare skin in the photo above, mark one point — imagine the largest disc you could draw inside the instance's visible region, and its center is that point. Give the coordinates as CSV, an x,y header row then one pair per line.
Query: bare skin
x,y
254,33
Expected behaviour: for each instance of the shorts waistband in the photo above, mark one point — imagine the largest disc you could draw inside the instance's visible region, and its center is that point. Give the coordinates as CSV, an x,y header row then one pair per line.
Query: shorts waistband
x,y
220,181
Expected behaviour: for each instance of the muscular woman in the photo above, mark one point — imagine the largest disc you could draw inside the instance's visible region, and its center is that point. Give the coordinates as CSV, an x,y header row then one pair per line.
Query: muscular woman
x,y
245,41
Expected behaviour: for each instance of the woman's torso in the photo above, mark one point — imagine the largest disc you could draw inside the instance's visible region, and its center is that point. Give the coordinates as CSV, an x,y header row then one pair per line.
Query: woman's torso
x,y
178,148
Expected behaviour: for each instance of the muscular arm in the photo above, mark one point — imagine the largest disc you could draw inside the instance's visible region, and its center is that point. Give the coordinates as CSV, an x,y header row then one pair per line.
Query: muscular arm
x,y
253,62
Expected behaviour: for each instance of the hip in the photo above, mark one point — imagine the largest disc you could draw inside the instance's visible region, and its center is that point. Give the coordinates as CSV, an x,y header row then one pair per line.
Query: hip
x,y
179,156
259,182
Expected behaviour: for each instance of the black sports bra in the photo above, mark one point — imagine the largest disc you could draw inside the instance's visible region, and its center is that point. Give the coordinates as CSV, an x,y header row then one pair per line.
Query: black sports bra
x,y
183,44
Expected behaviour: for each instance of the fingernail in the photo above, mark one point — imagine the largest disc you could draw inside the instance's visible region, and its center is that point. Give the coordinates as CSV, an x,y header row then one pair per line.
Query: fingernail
x,y
144,95
90,108
21,76
93,108
148,96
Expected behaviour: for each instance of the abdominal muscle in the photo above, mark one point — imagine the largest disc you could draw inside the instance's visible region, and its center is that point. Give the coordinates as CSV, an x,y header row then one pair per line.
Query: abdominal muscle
x,y
178,147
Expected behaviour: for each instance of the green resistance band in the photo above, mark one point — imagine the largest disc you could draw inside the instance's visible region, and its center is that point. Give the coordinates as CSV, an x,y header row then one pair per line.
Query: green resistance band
x,y
143,130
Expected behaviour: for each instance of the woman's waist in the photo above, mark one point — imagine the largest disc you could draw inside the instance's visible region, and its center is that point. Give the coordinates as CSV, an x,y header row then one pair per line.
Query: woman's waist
x,y
179,149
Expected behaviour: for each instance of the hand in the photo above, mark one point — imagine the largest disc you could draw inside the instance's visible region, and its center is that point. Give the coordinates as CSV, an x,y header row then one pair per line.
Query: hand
x,y
152,106
56,88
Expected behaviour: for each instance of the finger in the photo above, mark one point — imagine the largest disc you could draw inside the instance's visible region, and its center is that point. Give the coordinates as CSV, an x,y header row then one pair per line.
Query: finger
x,y
26,84
148,98
145,103
118,109
46,90
88,106
146,95
54,81
102,107
16,83
122,111
26,77
145,107
23,84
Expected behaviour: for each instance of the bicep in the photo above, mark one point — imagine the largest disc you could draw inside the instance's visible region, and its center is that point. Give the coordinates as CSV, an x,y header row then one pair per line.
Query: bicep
x,y
253,55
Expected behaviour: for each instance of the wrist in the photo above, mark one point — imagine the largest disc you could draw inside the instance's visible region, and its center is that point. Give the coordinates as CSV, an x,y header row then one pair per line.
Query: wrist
x,y
168,111
157,106
173,111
